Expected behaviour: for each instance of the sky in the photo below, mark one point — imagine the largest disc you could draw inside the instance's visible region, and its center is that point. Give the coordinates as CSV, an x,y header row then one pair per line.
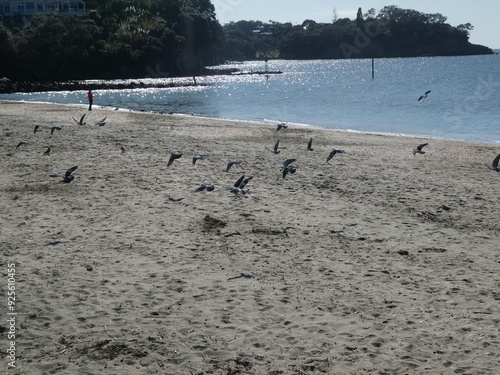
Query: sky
x,y
482,14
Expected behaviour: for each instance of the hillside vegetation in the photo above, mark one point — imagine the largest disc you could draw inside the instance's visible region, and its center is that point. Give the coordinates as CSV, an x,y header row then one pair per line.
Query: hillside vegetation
x,y
392,32
157,38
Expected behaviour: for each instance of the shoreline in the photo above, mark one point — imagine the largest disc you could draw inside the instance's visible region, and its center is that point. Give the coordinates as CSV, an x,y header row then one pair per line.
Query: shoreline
x,y
263,122
26,87
375,261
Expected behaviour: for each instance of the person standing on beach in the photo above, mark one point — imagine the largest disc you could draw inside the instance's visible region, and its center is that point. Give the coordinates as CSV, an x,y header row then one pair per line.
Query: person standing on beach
x,y
91,99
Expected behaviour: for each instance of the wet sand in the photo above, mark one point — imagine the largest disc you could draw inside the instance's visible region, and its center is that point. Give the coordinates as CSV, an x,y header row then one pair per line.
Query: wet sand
x,y
376,262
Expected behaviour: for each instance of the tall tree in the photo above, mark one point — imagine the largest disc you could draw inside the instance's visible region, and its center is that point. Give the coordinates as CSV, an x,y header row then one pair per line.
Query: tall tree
x,y
359,19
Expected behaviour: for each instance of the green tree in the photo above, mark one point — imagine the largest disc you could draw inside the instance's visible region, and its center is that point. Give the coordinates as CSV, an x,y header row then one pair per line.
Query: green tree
x,y
465,28
7,51
56,47
359,19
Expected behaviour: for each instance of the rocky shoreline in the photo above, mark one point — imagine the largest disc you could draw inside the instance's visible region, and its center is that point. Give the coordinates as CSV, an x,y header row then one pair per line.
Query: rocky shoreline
x,y
8,87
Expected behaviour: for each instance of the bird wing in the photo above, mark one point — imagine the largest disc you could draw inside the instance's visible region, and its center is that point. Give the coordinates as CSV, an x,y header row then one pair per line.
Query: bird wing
x,y
199,156
420,147
171,160
173,156
427,92
239,181
495,162
310,143
71,170
21,143
230,164
52,130
287,162
244,182
81,119
276,145
331,155
100,122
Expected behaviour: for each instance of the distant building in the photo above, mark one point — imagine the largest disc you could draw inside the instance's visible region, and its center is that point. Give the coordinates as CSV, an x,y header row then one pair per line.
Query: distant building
x,y
19,13
265,31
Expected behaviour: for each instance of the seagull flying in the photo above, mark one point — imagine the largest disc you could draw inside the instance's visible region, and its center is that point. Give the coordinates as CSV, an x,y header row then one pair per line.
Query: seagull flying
x,y
275,149
47,152
55,127
199,157
419,148
238,186
81,122
38,127
494,165
309,145
207,185
101,122
333,153
67,176
173,156
425,95
287,168
21,143
281,125
231,163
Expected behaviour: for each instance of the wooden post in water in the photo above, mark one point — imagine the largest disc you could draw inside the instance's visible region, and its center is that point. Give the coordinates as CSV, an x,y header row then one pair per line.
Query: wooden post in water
x,y
373,68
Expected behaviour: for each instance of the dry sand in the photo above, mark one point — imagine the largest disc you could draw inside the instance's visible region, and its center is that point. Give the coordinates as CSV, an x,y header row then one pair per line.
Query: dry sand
x,y
377,262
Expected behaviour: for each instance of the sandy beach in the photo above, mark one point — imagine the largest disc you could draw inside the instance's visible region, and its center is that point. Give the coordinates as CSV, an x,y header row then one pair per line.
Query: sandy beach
x,y
376,262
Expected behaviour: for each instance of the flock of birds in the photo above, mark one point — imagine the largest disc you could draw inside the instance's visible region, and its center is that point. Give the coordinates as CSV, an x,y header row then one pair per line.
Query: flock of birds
x,y
239,186
67,176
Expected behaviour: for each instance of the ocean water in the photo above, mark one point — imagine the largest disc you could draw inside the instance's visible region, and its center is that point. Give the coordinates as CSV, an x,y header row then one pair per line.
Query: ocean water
x,y
464,102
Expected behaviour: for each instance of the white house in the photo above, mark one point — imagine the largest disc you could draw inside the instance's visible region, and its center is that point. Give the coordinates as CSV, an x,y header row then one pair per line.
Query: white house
x,y
19,12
